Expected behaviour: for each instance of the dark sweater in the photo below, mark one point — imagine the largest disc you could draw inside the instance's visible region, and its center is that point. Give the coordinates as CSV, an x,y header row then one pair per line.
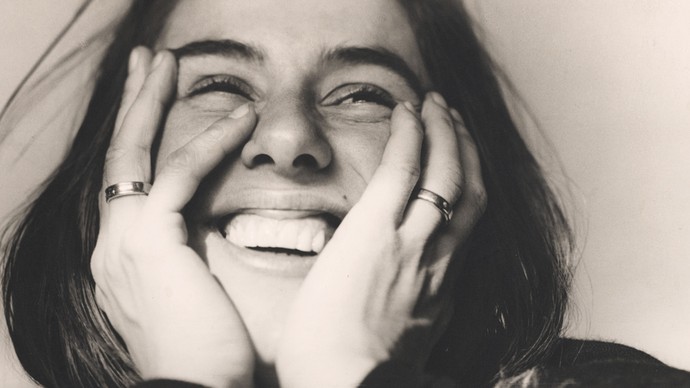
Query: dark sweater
x,y
605,364
574,363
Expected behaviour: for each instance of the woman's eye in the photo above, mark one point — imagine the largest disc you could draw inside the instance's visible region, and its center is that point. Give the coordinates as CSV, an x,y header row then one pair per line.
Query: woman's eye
x,y
361,94
222,84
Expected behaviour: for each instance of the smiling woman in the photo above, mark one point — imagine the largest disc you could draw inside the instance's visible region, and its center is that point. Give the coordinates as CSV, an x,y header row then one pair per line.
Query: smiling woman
x,y
316,194
324,105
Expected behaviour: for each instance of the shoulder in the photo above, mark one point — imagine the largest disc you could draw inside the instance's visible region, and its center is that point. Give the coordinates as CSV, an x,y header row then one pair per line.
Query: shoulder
x,y
605,364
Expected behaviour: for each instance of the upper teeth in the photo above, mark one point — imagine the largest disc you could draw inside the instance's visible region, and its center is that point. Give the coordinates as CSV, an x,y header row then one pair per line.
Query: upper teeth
x,y
304,234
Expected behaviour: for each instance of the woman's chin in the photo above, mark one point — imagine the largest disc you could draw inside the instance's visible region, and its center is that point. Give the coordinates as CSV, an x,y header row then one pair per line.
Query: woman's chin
x,y
261,284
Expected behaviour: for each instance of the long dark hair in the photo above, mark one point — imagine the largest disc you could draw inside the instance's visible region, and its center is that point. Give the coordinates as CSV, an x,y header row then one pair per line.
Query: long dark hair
x,y
512,294
510,297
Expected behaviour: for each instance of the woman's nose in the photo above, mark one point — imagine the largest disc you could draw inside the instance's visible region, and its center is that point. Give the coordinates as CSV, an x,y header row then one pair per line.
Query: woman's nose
x,y
288,140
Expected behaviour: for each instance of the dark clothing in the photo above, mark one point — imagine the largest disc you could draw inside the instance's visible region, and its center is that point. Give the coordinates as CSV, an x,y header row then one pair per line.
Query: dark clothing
x,y
605,364
574,363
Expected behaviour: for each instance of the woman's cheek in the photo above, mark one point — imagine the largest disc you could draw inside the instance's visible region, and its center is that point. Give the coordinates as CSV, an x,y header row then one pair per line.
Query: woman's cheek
x,y
358,147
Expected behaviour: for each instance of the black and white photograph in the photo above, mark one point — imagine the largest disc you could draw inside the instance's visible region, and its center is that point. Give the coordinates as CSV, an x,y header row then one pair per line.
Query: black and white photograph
x,y
342,194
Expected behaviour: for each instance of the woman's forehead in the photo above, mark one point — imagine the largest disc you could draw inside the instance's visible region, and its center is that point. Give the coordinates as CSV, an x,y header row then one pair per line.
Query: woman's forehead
x,y
295,29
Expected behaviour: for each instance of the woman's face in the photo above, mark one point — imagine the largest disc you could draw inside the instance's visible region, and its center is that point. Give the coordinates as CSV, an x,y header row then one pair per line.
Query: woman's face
x,y
323,77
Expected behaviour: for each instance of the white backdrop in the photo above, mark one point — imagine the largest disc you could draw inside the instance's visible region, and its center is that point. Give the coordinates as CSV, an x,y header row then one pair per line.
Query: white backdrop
x,y
609,84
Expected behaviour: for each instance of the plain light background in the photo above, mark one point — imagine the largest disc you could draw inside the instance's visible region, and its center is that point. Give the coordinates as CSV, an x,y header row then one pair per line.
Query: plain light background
x,y
608,82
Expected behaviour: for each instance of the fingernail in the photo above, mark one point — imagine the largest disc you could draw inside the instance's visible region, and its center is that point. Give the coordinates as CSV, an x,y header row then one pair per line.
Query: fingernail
x,y
157,60
408,105
240,112
133,59
438,98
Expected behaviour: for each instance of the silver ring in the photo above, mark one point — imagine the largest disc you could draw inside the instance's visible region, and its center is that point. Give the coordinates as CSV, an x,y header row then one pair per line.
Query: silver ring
x,y
439,203
124,189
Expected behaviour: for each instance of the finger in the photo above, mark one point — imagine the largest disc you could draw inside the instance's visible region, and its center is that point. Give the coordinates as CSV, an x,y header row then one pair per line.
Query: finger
x,y
129,156
444,261
470,207
441,168
389,189
186,167
139,66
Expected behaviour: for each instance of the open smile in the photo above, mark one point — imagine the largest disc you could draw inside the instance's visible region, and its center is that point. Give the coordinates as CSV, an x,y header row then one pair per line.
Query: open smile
x,y
279,232
282,232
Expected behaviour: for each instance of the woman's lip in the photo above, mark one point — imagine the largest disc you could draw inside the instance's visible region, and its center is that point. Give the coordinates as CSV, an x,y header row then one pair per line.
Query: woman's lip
x,y
282,214
280,203
279,214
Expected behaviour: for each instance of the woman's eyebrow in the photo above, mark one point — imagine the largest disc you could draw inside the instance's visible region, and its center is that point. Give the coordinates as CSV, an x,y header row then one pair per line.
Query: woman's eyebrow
x,y
377,56
224,47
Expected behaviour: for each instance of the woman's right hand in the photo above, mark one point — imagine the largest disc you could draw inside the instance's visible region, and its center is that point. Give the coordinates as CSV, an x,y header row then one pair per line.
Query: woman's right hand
x,y
173,315
382,288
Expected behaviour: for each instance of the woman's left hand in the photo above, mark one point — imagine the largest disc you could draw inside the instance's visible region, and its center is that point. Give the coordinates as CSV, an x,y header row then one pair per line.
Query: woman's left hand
x,y
381,289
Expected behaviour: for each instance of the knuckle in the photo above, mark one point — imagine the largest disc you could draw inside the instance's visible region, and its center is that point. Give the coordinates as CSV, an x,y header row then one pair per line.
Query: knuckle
x,y
117,153
129,163
454,178
181,159
447,121
410,173
407,172
411,170
114,154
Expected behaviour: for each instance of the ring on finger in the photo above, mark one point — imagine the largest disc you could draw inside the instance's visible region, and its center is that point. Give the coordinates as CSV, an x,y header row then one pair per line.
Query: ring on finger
x,y
439,203
124,189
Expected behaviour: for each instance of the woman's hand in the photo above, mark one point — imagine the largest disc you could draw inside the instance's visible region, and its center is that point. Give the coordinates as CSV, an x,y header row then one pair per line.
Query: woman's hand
x,y
380,290
173,315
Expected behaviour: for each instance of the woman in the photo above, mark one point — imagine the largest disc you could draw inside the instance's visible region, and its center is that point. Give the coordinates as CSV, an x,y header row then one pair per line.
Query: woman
x,y
294,233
